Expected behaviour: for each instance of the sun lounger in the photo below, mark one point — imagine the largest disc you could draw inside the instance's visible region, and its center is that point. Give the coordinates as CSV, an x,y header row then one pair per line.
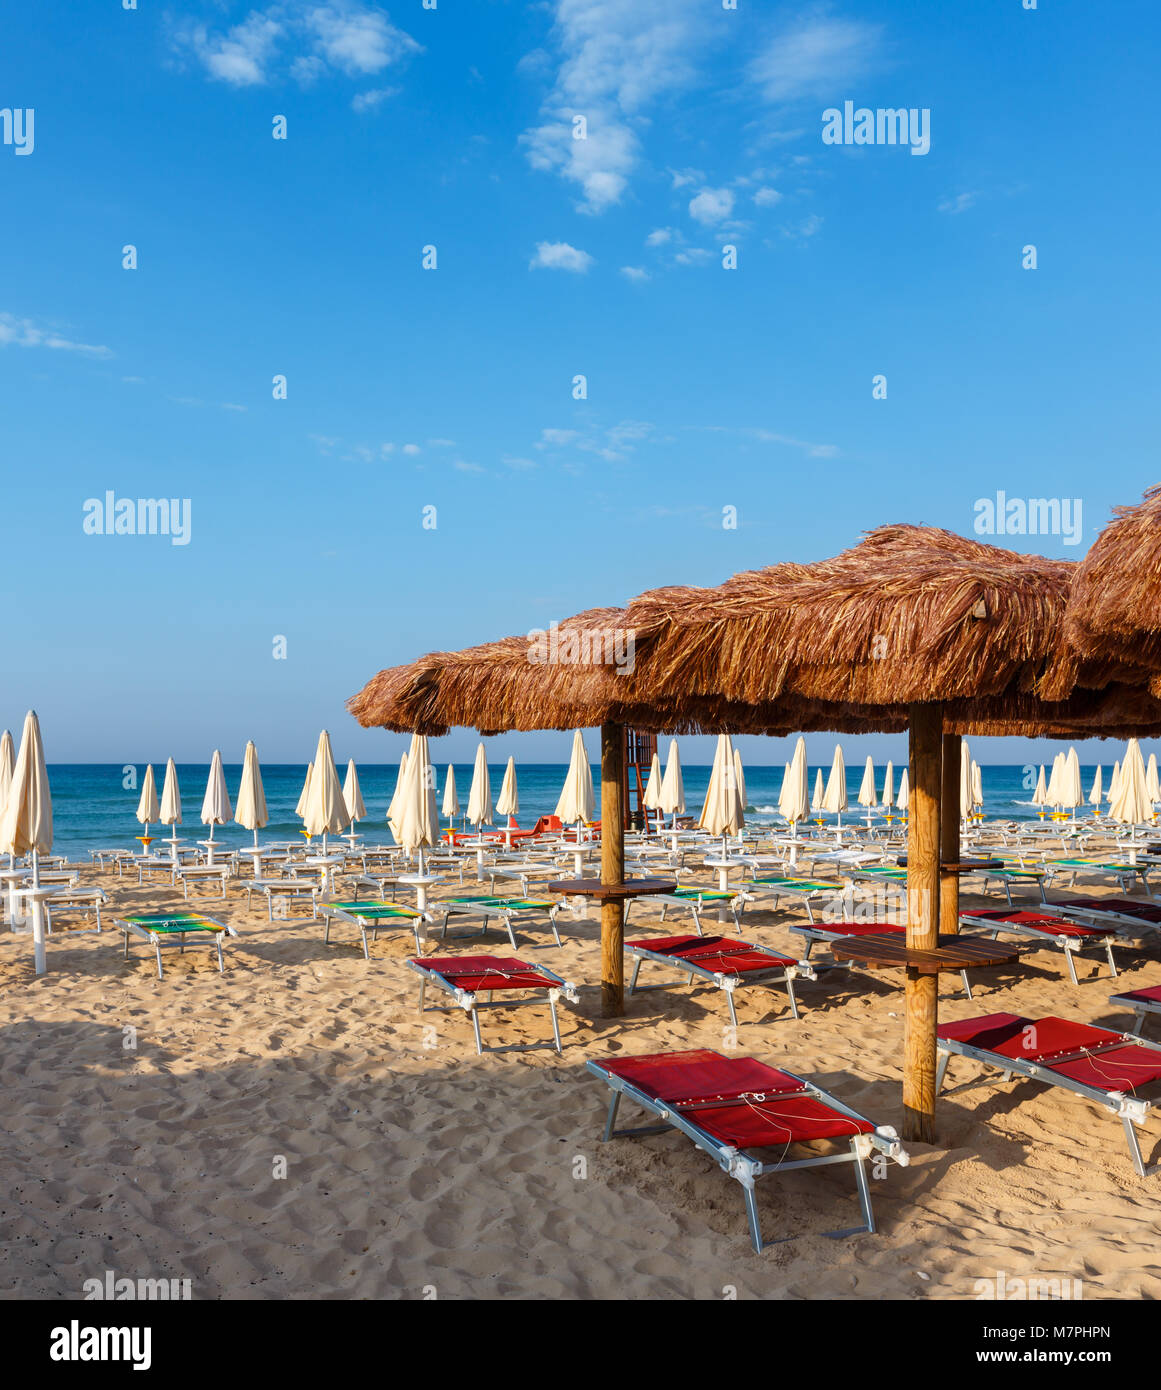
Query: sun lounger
x,y
285,891
1104,1067
722,962
374,915
1130,916
195,873
83,900
1007,877
1044,930
506,910
466,978
1123,873
697,900
729,1106
805,890
156,927
377,883
1141,1001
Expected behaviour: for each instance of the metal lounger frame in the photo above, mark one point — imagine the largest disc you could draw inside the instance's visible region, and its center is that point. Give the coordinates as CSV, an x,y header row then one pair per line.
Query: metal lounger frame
x,y
1131,1110
221,929
375,923
467,1000
776,975
491,914
739,1165
1070,945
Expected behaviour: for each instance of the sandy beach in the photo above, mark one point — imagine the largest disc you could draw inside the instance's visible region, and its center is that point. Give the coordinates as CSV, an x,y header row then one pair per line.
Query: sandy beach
x,y
415,1169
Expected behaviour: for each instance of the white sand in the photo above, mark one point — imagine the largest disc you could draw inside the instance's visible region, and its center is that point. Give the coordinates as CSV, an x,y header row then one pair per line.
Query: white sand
x,y
413,1164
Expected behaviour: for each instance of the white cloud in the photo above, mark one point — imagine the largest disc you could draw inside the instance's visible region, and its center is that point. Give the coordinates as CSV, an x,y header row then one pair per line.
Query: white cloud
x,y
682,178
818,451
441,443
960,203
16,332
659,237
557,437
767,197
559,255
411,448
229,406
357,39
347,37
711,205
463,466
693,256
368,101
815,57
613,60
521,464
634,272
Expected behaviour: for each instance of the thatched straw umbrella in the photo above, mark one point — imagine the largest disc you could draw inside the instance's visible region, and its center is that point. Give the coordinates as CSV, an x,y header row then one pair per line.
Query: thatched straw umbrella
x,y
961,634
1115,608
915,629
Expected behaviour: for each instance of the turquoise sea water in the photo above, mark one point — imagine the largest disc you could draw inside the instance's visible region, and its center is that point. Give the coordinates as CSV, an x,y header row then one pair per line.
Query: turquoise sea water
x,y
93,807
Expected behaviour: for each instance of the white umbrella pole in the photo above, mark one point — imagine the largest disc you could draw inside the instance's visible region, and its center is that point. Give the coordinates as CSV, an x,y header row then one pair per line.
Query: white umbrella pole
x,y
37,918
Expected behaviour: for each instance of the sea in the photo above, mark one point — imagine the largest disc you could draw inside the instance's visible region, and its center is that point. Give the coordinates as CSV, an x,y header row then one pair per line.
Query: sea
x,y
95,805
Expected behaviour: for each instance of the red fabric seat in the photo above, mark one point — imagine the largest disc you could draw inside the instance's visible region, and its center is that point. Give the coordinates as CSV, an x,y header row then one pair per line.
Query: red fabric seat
x,y
1037,921
1151,994
475,973
1043,1039
700,1075
720,953
862,929
1118,1069
769,1123
1126,907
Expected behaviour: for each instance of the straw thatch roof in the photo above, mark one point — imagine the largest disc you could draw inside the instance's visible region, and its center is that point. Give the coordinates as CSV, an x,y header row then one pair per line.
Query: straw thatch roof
x,y
910,615
1115,608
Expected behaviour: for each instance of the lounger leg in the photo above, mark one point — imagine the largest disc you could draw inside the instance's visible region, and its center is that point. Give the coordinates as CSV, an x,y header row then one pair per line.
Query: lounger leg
x,y
752,1218
733,1010
793,1001
1071,966
636,972
1108,951
663,906
363,934
511,933
1138,1014
476,1026
967,989
864,1194
327,930
1008,890
422,992
941,1071
157,948
809,912
611,1118
552,924
126,945
555,1024
221,963
697,920
1134,1146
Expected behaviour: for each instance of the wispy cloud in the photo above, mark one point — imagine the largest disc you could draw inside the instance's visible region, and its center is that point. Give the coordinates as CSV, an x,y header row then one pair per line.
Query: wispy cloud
x,y
300,39
369,101
815,56
613,61
559,255
18,332
960,203
634,272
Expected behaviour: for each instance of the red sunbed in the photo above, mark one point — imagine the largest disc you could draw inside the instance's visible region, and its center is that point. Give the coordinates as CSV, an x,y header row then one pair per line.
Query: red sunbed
x,y
1047,930
721,961
1141,1001
1096,1063
468,977
727,1105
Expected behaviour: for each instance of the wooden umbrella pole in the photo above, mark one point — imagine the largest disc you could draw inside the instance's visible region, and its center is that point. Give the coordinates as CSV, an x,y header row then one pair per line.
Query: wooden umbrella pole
x,y
925,739
949,846
612,869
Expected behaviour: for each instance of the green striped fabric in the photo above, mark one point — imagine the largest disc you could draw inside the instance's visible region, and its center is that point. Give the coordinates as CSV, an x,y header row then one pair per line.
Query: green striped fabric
x,y
705,893
174,922
371,910
806,884
503,903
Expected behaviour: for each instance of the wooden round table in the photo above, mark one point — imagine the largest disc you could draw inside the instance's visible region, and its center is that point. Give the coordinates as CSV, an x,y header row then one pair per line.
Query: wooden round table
x,y
889,952
604,892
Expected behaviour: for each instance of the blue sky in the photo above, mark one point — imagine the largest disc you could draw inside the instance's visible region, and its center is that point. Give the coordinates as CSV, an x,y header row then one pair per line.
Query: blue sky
x,y
453,388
